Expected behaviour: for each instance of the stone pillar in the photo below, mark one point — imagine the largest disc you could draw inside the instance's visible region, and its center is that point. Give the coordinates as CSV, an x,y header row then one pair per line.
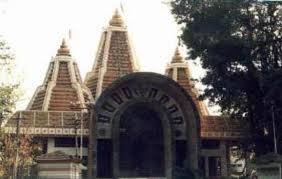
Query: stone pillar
x,y
92,147
207,166
223,159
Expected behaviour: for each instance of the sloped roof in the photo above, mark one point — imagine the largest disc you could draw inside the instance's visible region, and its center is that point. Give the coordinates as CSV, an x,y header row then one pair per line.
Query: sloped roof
x,y
115,57
56,156
62,85
218,127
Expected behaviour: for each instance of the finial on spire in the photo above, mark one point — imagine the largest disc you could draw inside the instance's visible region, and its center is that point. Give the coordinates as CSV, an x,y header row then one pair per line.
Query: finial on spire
x,y
116,19
63,50
177,58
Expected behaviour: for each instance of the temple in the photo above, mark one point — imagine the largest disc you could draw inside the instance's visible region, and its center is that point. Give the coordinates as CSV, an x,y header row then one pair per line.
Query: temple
x,y
146,124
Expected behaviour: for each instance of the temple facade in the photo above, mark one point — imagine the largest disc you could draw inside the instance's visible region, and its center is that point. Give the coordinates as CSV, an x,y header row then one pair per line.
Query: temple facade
x,y
144,124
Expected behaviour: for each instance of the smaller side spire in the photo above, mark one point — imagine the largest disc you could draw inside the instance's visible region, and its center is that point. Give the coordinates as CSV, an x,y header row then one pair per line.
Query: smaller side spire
x,y
116,19
63,50
177,58
179,71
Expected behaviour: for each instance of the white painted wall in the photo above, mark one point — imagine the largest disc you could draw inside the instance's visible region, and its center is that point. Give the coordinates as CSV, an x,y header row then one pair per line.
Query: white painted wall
x,y
59,170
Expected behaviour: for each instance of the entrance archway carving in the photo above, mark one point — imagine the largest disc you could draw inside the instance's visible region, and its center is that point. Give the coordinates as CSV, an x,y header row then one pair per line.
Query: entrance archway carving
x,y
166,104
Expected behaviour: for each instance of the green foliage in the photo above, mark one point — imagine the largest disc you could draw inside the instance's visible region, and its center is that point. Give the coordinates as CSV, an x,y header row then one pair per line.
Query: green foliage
x,y
240,47
6,56
8,86
8,98
9,89
28,150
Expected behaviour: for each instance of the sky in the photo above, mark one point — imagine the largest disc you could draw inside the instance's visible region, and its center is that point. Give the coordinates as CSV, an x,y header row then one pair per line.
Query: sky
x,y
34,29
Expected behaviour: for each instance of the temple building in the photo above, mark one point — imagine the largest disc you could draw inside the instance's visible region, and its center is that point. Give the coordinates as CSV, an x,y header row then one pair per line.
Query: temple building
x,y
144,124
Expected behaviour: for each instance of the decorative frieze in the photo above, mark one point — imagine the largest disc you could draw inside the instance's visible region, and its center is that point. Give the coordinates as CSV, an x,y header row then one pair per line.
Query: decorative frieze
x,y
48,131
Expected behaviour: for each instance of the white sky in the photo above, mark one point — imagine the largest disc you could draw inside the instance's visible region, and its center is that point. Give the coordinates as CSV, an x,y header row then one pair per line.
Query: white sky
x,y
35,28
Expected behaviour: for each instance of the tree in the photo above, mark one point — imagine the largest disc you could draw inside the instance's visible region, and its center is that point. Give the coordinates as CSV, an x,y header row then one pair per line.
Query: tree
x,y
9,90
239,44
8,86
27,153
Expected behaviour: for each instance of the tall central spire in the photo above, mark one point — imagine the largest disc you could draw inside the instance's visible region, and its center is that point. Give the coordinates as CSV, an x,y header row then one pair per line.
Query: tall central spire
x,y
115,56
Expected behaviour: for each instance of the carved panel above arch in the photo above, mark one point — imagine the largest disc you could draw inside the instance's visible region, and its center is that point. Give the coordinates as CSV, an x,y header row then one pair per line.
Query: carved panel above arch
x,y
146,87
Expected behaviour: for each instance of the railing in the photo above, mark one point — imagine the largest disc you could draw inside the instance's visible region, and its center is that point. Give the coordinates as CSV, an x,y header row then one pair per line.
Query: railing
x,y
49,122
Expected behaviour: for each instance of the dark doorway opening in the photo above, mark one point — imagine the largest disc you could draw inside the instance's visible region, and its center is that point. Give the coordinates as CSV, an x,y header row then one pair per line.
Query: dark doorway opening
x,y
104,158
141,142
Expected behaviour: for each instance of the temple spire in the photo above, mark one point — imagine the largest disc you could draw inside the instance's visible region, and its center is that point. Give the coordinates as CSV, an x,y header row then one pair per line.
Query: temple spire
x,y
115,57
62,85
116,19
63,50
178,69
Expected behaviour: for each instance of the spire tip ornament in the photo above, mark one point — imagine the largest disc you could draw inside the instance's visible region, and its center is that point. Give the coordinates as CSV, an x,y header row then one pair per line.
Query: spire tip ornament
x,y
63,50
177,58
116,19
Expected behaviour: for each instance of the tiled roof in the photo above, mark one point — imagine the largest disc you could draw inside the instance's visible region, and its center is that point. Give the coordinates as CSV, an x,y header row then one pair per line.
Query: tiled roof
x,y
222,128
62,85
115,57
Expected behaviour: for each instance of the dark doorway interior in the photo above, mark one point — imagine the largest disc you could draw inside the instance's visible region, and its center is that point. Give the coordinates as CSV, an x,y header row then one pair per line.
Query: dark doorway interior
x,y
141,142
104,158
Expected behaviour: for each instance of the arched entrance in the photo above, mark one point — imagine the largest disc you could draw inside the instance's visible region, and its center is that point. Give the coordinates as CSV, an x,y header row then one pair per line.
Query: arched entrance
x,y
146,125
141,142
